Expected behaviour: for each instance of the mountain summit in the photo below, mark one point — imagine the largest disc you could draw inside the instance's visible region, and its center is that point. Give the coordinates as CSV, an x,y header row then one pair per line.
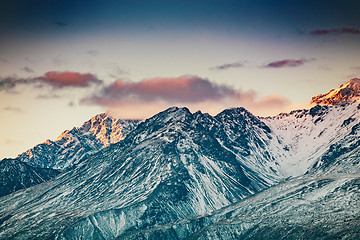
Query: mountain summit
x,y
345,93
75,144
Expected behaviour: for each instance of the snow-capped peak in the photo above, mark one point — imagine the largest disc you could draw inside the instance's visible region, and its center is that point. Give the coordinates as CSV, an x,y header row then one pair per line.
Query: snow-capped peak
x,y
345,93
73,145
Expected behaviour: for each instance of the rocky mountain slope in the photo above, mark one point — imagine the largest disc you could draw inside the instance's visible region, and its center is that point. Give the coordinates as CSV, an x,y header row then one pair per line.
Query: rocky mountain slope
x,y
303,208
16,175
170,167
322,145
47,159
183,175
307,135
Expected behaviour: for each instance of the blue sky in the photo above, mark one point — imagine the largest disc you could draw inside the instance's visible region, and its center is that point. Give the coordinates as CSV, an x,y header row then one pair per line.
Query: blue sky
x,y
61,62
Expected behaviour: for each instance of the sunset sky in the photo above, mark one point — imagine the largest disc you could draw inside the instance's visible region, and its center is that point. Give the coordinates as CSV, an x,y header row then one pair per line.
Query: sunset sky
x,y
62,61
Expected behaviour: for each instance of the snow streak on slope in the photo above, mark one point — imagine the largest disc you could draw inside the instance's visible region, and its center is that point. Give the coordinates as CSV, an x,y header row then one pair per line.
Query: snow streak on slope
x,y
244,135
167,169
73,145
305,135
303,208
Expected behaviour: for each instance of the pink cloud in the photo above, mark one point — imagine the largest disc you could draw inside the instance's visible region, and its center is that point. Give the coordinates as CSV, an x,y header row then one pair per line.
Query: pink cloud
x,y
54,79
142,99
179,89
288,63
273,101
68,79
335,31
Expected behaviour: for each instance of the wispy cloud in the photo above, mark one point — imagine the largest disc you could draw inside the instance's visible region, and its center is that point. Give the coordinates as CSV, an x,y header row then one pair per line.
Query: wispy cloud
x,y
9,141
13,109
117,72
335,31
61,24
68,79
8,83
48,96
27,69
58,61
141,99
93,53
54,79
288,63
227,66
356,68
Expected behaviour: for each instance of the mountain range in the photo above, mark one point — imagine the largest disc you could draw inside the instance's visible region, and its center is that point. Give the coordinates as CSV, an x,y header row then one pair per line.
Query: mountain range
x,y
183,175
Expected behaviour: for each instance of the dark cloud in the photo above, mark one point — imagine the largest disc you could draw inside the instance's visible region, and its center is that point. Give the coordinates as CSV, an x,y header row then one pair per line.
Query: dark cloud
x,y
27,69
14,109
61,24
335,31
288,63
69,79
227,66
9,83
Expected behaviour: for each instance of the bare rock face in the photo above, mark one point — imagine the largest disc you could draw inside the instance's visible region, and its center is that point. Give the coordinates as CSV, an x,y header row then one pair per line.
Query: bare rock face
x,y
345,93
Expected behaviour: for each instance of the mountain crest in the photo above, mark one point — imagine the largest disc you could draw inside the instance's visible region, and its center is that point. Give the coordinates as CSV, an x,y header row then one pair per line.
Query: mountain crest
x,y
345,93
73,145
171,115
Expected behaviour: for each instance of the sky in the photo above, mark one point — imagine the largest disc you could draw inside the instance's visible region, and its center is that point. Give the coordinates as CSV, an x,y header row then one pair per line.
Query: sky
x,y
62,62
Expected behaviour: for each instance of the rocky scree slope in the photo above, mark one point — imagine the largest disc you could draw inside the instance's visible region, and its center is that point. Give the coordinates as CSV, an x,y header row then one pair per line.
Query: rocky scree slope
x,y
303,208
